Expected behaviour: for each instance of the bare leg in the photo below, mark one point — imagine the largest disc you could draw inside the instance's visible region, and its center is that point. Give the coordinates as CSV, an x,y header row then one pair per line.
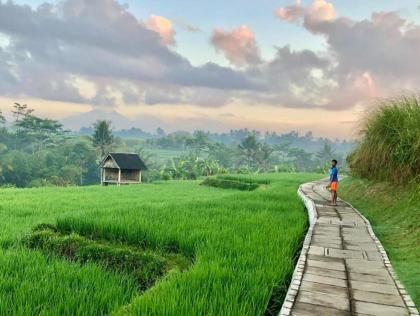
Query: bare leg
x,y
335,197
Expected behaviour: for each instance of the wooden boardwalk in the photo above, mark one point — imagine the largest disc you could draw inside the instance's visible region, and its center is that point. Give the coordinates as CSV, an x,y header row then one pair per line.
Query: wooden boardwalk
x,y
342,269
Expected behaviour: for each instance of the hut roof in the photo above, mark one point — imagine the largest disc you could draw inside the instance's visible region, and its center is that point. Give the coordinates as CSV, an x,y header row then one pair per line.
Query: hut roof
x,y
129,161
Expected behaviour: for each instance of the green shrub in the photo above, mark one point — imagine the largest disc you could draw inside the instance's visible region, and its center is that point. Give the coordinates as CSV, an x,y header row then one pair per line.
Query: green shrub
x,y
146,266
229,184
389,149
244,178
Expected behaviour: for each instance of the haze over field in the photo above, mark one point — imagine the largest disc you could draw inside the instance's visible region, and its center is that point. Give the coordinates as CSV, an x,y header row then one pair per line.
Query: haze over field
x,y
266,65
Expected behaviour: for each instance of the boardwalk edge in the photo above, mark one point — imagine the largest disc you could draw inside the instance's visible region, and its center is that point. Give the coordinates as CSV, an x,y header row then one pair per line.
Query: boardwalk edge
x,y
300,266
411,306
296,281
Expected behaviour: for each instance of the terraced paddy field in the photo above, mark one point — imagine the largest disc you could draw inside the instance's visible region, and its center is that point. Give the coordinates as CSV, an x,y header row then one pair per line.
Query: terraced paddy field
x,y
170,248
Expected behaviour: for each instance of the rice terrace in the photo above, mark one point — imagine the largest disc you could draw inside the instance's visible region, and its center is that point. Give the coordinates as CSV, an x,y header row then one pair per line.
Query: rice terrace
x,y
178,247
209,158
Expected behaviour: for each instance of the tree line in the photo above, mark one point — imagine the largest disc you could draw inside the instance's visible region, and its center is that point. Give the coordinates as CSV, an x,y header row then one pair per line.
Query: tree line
x,y
198,154
38,151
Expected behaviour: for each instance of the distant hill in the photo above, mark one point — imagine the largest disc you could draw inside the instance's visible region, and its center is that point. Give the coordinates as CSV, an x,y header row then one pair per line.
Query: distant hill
x,y
119,121
76,122
124,133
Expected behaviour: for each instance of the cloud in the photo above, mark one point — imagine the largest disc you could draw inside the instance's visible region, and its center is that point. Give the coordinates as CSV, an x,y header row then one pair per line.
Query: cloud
x,y
198,96
153,96
317,11
228,114
7,79
163,27
293,78
320,11
238,45
187,26
97,52
290,13
368,58
381,59
99,41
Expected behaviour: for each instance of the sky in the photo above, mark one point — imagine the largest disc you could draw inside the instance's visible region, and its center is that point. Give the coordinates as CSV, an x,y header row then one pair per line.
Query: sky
x,y
215,65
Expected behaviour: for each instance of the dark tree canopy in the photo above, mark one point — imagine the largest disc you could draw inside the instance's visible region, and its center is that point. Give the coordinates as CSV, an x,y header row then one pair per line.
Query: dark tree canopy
x,y
102,137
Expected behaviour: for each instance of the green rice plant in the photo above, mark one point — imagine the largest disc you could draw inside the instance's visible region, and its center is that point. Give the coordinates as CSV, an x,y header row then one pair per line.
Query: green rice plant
x,y
230,184
243,243
33,284
146,266
389,148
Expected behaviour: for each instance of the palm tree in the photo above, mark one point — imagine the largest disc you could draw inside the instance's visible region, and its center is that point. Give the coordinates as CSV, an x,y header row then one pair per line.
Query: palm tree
x,y
248,149
324,156
102,137
302,159
264,156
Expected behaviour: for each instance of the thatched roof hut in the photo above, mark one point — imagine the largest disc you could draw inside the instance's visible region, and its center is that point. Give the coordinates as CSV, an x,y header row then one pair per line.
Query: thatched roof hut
x,y
121,168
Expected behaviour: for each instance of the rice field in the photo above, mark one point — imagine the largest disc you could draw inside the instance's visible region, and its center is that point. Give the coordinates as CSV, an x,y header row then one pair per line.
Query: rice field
x,y
240,246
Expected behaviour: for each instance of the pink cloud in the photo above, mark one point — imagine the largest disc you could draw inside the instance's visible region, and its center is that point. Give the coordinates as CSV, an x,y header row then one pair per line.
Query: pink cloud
x,y
290,13
320,11
163,27
238,46
317,11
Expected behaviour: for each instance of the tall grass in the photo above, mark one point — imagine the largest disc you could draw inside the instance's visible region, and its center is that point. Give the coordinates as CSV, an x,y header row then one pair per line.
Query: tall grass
x,y
34,284
390,142
395,217
243,244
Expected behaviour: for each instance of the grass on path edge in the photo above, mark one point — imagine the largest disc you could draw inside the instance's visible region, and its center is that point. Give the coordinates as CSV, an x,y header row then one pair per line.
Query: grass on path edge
x,y
394,213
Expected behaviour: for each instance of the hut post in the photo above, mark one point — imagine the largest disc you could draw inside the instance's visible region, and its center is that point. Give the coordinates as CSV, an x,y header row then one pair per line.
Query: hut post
x,y
102,176
119,176
140,176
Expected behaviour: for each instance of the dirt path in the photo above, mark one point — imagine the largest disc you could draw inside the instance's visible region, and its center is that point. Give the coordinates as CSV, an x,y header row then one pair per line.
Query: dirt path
x,y
343,269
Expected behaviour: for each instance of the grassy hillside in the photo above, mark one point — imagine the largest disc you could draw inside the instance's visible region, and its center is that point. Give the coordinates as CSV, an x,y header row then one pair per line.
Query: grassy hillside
x,y
241,245
394,213
389,149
